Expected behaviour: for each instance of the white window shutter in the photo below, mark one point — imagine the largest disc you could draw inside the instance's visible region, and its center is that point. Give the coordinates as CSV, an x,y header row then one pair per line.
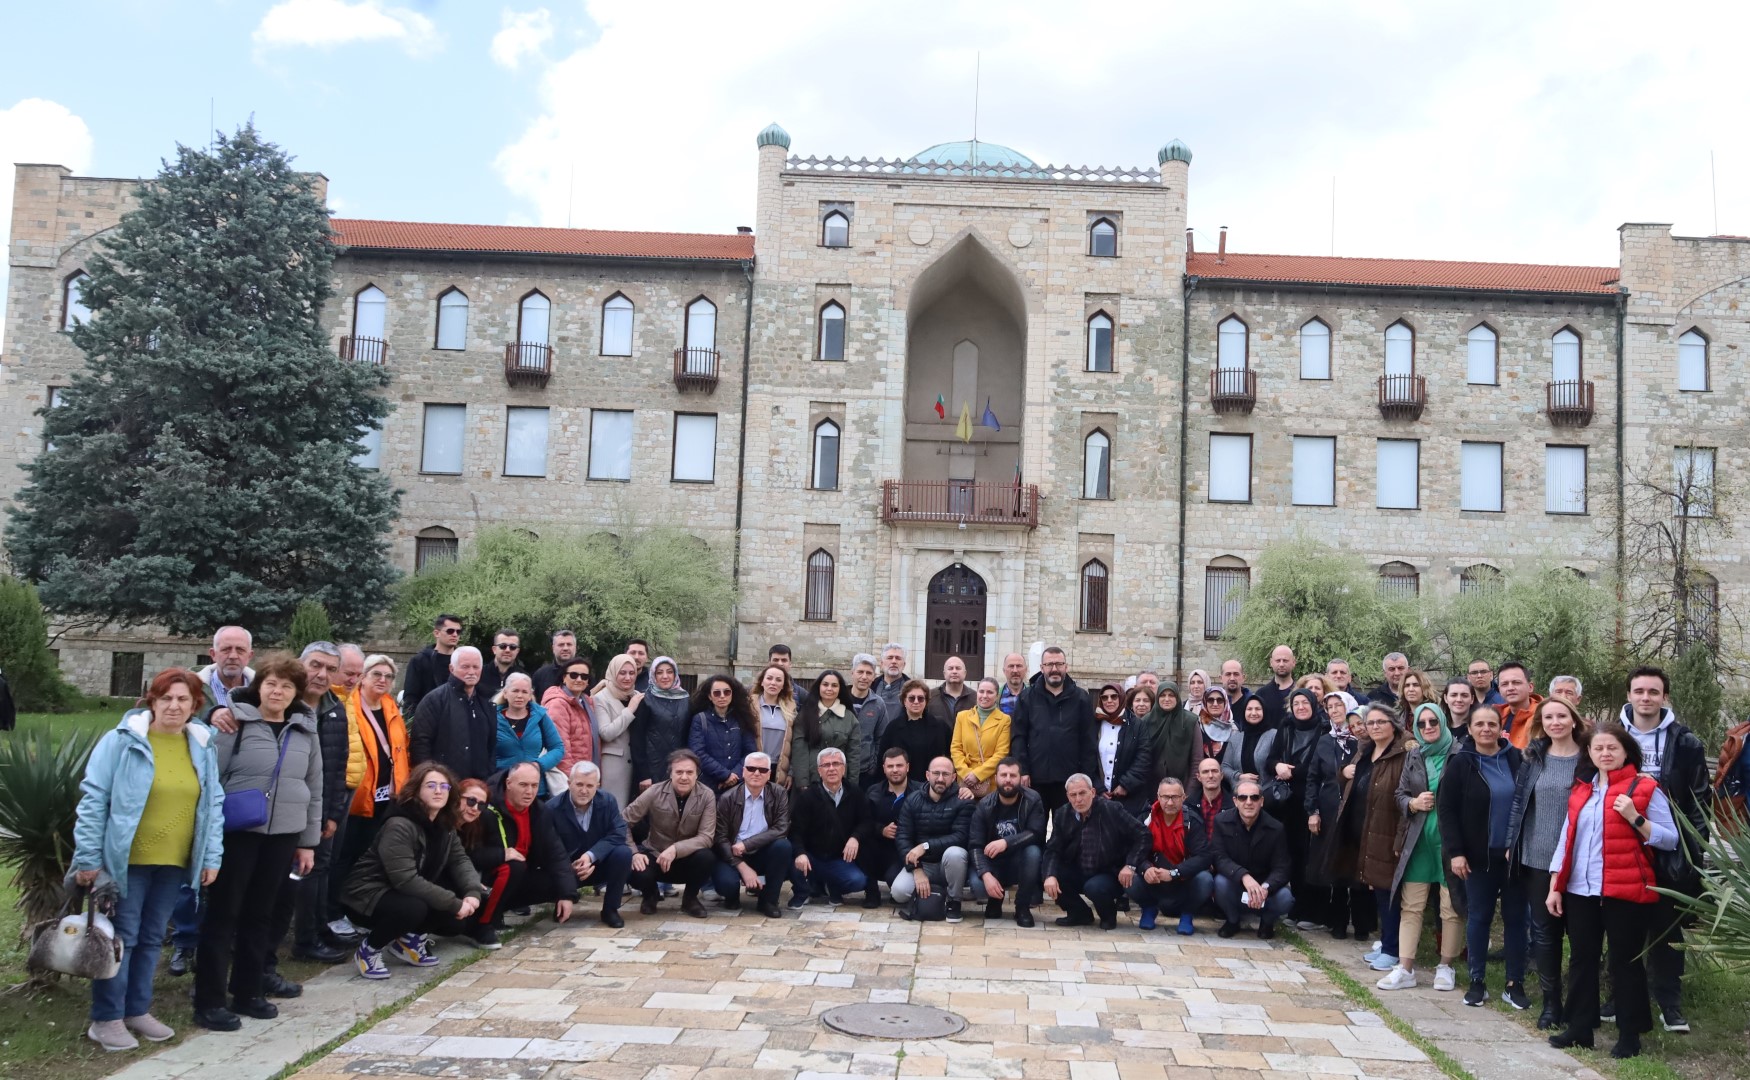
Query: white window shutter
x,y
1315,470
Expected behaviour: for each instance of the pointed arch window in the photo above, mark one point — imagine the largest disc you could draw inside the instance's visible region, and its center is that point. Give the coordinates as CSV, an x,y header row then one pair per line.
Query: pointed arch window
x,y
702,325
1095,610
1103,239
1097,465
73,309
1481,356
1692,357
1315,350
452,320
1566,347
534,317
818,593
1099,342
370,313
617,314
1400,350
832,331
835,230
1232,344
825,475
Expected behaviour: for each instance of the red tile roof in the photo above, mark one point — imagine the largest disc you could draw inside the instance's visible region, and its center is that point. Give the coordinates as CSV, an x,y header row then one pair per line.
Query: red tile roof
x,y
525,240
1426,273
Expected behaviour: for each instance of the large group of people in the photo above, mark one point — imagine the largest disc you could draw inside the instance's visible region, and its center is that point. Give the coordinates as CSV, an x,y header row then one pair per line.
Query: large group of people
x,y
302,802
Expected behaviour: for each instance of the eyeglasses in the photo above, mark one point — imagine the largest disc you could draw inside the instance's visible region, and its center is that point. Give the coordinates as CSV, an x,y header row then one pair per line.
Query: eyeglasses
x,y
756,768
436,785
469,800
916,697
512,648
1248,798
1379,723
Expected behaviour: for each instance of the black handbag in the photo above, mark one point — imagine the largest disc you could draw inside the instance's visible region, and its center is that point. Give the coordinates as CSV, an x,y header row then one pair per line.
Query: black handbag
x,y
1675,869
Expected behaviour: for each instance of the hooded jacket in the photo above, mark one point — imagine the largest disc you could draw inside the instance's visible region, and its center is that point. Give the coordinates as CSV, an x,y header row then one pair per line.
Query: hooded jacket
x,y
1053,734
401,850
1673,755
118,780
247,759
334,732
1465,804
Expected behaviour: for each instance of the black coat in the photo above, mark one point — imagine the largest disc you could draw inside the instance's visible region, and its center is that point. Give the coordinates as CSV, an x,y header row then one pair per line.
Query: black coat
x,y
492,680
938,824
1322,795
1133,765
546,854
428,670
884,806
1261,851
331,734
1127,838
819,829
1199,849
1053,734
1463,804
1296,747
922,739
659,728
1275,701
546,677
455,727
1029,827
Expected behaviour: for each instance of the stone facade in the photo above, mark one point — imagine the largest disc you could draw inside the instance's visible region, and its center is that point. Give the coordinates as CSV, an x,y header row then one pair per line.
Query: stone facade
x,y
977,285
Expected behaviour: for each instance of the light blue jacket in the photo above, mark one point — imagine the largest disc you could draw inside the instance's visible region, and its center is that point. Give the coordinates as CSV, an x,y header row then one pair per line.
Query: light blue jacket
x,y
540,743
118,778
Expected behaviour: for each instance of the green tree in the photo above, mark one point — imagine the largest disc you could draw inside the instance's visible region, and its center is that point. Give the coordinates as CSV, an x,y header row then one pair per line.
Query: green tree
x,y
200,470
1323,604
29,667
652,583
1696,695
309,623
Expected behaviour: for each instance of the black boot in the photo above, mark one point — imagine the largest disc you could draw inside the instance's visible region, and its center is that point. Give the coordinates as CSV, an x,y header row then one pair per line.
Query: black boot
x,y
1551,1016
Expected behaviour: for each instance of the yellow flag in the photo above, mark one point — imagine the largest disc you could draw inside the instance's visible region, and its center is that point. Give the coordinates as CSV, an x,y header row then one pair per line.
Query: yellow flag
x,y
964,428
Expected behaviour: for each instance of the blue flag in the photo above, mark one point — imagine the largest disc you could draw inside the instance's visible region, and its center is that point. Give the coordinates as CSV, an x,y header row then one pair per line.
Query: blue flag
x,y
989,419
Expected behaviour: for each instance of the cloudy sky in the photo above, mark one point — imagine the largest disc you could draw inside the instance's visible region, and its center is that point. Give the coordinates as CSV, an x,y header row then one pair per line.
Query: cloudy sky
x,y
1488,130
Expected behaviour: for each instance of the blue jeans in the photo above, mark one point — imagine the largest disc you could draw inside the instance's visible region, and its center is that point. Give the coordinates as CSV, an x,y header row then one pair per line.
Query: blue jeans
x,y
139,921
1482,888
1230,896
185,921
771,862
835,877
1390,914
1182,897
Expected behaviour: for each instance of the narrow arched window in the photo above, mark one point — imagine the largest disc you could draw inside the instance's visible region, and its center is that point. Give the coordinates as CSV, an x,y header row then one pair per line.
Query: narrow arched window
x,y
1231,344
818,592
1692,372
617,326
832,331
826,457
534,320
1702,620
1566,346
1315,350
1400,350
370,311
1097,466
452,321
1399,581
835,230
1100,342
1095,615
1480,356
73,309
702,325
1103,239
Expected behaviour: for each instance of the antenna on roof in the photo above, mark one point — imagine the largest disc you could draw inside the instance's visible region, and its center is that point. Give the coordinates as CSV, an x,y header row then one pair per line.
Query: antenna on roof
x,y
977,65
570,193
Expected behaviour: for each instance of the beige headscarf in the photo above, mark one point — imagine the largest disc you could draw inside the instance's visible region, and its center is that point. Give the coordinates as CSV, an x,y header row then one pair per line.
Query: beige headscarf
x,y
613,673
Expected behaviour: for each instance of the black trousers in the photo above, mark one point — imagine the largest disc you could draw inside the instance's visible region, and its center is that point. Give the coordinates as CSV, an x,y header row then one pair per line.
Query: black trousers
x,y
1350,906
1101,887
351,842
1546,935
1052,792
691,871
1592,922
301,909
237,924
398,913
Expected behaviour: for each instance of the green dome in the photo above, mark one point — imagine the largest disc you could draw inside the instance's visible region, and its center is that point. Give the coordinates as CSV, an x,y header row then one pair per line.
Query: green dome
x,y
773,135
989,154
1174,151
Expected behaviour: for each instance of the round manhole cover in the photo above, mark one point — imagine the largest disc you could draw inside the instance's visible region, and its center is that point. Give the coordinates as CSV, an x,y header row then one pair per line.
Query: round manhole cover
x,y
885,1021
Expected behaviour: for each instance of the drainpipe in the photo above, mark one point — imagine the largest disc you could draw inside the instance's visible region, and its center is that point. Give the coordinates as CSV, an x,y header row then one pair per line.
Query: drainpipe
x,y
741,467
1621,469
1184,443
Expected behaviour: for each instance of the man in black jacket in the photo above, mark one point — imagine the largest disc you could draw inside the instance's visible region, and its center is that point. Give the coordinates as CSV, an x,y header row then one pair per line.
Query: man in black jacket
x,y
753,838
552,673
1007,841
1251,863
829,826
879,858
593,830
1274,692
933,826
1176,879
1052,731
430,666
507,646
1095,848
543,874
454,725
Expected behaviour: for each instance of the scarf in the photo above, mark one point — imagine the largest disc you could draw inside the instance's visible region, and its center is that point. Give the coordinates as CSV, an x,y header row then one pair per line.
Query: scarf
x,y
1115,715
613,669
1169,840
1436,752
1174,729
983,713
677,691
1318,711
1217,731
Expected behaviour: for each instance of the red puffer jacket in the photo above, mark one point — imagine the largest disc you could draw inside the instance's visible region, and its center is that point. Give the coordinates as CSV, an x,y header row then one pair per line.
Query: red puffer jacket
x,y
1628,867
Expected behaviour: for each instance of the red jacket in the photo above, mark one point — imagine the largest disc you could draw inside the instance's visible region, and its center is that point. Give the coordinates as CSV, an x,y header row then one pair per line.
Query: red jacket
x,y
1628,868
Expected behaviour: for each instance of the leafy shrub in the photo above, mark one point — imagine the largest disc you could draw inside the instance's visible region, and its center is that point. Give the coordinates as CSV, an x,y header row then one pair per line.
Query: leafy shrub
x,y
39,801
25,659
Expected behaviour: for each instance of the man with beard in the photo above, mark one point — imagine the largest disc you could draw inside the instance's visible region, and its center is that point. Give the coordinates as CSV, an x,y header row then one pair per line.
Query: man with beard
x,y
880,857
1233,680
1007,838
933,826
1052,731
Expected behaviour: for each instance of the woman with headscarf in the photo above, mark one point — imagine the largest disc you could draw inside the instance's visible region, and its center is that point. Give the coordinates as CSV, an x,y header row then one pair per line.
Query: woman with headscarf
x,y
1248,752
1123,754
1173,736
826,720
616,703
1285,778
1422,872
1196,685
659,727
775,700
1346,904
1217,724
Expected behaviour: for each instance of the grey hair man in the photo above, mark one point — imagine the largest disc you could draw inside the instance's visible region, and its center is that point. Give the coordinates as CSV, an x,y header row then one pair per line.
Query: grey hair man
x,y
752,838
233,648
454,725
893,676
1094,850
592,828
352,669
1568,688
1394,667
872,714
830,822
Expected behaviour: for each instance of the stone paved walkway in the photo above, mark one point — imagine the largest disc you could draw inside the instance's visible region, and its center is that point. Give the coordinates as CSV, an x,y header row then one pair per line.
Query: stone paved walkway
x,y
737,996
1489,1045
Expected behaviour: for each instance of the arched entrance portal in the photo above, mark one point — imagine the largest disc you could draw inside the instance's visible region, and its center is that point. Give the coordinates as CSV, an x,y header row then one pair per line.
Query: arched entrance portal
x,y
955,620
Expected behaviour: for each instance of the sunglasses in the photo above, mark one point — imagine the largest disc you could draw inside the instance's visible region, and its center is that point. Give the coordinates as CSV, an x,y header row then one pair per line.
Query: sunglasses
x,y
756,768
1108,697
1248,798
722,691
469,800
451,630
512,648
914,697
577,674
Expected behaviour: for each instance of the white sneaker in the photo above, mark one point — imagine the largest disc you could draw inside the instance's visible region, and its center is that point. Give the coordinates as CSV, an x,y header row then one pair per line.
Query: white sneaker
x,y
112,1035
1398,978
343,928
1445,978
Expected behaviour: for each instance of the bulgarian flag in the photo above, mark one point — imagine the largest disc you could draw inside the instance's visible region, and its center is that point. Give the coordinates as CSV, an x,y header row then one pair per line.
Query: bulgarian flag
x,y
941,408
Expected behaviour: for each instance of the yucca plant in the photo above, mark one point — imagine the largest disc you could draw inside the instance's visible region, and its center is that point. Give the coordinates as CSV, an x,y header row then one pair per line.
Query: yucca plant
x,y
39,801
1722,911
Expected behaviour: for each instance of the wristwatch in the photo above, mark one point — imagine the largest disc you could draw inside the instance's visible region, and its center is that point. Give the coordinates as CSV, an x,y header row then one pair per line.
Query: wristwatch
x,y
1640,820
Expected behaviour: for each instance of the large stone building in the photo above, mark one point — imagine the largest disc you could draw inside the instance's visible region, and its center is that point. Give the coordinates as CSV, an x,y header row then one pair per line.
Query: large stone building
x,y
965,402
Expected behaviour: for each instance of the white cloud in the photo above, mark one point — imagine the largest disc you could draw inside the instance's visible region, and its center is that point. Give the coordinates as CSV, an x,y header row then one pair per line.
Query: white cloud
x,y
43,133
1497,130
523,35
324,24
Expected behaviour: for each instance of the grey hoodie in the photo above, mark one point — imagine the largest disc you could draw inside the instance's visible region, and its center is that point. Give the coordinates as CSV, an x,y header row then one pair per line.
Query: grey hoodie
x,y
246,760
1651,741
